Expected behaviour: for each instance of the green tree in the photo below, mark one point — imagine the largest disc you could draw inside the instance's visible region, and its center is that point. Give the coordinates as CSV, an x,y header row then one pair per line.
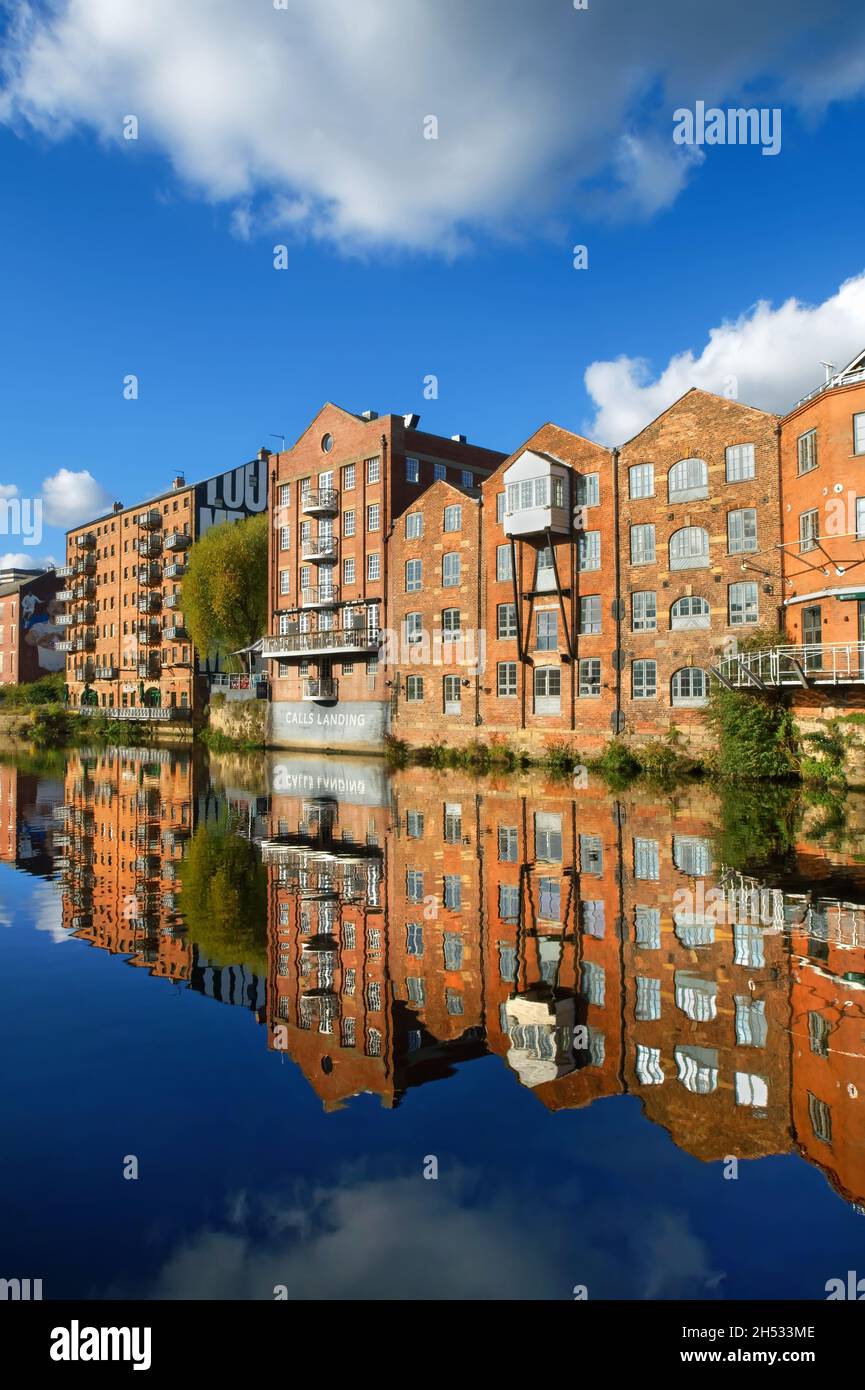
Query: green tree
x,y
225,587
224,897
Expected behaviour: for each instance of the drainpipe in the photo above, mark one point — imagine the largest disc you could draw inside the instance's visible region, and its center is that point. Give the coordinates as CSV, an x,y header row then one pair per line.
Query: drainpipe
x,y
619,602
479,571
782,612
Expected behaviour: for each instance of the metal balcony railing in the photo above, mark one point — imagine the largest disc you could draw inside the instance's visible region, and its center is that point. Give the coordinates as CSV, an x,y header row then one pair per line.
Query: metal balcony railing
x,y
65,571
150,603
176,633
176,570
87,565
146,713
320,596
320,502
319,548
320,688
327,642
177,540
171,600
106,673
837,663
151,521
87,541
149,545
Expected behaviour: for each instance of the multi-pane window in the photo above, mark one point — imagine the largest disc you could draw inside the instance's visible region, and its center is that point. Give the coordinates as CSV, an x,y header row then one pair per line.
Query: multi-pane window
x,y
453,894
743,607
414,688
548,689
451,569
453,518
548,836
285,495
550,899
809,529
373,566
806,448
414,824
689,611
588,489
453,947
284,581
285,537
373,470
859,433
508,838
590,614
641,480
547,630
509,902
820,1115
644,680
413,526
413,628
591,854
692,855
501,500
647,928
413,575
642,545
860,518
468,478
535,492
590,676
644,611
506,678
507,961
740,462
412,470
348,570
742,530
414,938
647,1006
688,480
439,472
348,477
506,620
373,517
646,859
689,548
451,692
348,523
690,686
451,624
592,981
589,550
414,885
504,568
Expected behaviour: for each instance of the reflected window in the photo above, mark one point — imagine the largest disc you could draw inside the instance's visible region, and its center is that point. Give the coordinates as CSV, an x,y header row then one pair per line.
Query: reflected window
x,y
692,855
818,1034
550,899
697,998
548,837
748,946
751,1090
820,1116
592,918
509,902
647,928
648,1003
414,938
646,859
698,1069
507,961
453,950
751,1025
648,1066
508,844
591,854
593,982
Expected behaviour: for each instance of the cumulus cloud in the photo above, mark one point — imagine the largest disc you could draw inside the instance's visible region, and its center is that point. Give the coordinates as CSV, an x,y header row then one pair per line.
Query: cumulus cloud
x,y
69,498
47,908
312,116
767,357
457,1238
8,490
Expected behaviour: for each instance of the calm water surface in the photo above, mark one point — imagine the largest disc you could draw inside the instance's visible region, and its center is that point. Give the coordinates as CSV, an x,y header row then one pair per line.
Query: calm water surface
x,y
307,1024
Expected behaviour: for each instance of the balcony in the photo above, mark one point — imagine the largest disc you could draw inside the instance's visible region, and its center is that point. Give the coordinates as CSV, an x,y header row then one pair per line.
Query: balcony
x,y
149,669
66,620
176,570
322,502
171,600
106,673
177,633
149,545
87,541
65,646
85,643
86,589
836,663
332,642
65,595
148,864
65,571
150,603
87,565
139,713
85,674
150,574
320,549
87,614
320,596
150,633
323,689
151,521
177,540
172,839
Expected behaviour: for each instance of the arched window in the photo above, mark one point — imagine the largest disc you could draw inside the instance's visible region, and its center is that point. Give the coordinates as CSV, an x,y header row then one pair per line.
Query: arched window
x,y
689,611
690,686
689,548
688,480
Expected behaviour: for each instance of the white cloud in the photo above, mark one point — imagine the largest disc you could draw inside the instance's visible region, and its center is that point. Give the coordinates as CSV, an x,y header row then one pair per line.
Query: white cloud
x,y
47,906
767,357
69,498
17,560
311,117
8,490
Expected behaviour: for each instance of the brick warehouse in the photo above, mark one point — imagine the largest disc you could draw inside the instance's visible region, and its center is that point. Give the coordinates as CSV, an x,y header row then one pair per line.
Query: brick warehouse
x,y
29,610
128,652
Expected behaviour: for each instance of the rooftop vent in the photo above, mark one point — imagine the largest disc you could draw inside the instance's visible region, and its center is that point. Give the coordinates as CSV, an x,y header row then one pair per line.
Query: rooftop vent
x,y
411,422
458,438
369,415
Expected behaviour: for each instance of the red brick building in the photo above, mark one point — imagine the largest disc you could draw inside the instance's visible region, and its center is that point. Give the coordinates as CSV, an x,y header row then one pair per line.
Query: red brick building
x,y
336,498
29,625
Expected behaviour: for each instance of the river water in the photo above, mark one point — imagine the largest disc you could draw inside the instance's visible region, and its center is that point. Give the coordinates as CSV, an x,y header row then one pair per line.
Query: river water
x,y
292,1027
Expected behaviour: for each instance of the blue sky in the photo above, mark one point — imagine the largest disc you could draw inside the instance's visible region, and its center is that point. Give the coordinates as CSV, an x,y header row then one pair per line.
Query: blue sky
x,y
405,257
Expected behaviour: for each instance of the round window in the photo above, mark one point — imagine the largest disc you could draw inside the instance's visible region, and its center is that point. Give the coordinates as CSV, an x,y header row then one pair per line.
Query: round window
x,y
327,443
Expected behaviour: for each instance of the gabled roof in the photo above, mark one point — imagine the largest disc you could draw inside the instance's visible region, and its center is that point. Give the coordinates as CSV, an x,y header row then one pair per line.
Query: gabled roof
x,y
698,391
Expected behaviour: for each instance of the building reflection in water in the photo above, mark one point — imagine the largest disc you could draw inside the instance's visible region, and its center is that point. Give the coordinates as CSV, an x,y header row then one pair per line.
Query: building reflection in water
x,y
419,920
